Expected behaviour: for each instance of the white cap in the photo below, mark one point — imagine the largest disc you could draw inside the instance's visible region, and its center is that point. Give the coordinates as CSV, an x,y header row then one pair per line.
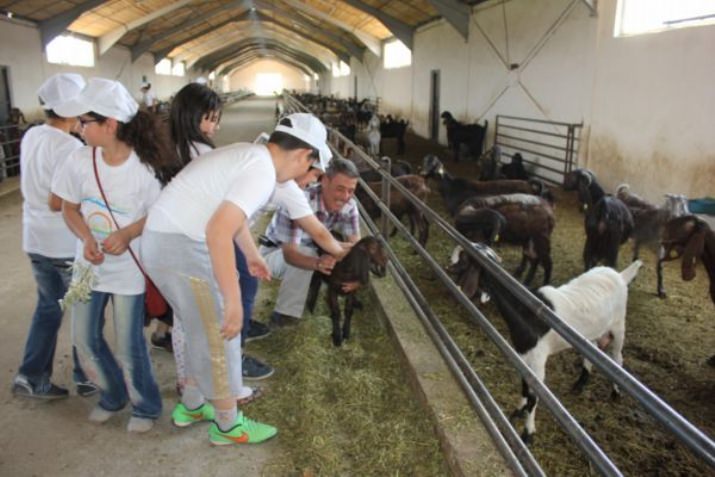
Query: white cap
x,y
200,80
310,130
102,96
59,89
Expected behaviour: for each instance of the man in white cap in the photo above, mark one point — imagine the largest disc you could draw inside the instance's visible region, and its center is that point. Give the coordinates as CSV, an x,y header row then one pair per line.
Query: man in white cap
x,y
46,238
187,250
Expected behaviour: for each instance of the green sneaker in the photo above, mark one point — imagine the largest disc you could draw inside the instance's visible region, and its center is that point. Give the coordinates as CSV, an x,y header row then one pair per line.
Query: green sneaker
x,y
182,416
245,431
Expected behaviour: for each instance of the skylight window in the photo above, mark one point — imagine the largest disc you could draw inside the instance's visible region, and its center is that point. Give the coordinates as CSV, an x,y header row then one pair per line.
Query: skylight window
x,y
163,67
341,69
636,17
70,50
396,55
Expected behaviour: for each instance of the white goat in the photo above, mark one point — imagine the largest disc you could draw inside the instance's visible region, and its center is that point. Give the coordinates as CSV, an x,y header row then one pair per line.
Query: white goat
x,y
594,304
373,136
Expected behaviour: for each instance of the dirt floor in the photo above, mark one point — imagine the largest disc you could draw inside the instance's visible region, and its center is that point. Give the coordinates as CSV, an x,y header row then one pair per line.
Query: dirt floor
x,y
667,343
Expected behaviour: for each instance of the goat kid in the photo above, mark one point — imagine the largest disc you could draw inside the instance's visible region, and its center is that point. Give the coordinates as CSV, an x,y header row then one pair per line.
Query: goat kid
x,y
367,255
594,304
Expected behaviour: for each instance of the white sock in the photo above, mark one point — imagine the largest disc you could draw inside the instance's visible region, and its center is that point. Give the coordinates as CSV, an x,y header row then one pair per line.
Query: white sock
x,y
99,414
226,418
192,397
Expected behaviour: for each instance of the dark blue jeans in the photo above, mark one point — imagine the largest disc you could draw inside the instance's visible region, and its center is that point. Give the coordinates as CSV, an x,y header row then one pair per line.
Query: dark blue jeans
x,y
52,276
249,288
127,374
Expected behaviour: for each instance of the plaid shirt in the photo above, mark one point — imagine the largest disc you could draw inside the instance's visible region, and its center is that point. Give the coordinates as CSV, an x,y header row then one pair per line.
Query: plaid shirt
x,y
283,230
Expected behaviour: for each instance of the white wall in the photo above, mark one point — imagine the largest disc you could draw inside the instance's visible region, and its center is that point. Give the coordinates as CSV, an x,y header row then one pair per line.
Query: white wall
x,y
647,102
245,78
21,50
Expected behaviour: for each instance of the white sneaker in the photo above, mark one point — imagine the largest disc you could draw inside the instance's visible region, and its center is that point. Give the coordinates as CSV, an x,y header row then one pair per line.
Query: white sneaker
x,y
100,415
140,424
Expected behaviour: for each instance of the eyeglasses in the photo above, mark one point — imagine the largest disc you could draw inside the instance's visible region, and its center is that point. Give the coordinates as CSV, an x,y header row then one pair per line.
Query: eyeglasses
x,y
84,122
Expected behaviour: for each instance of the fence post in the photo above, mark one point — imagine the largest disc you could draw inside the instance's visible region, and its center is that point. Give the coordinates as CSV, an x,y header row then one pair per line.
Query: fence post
x,y
386,164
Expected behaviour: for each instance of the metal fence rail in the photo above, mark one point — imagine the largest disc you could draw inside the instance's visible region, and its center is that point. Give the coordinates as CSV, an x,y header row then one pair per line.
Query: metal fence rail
x,y
700,444
549,148
10,137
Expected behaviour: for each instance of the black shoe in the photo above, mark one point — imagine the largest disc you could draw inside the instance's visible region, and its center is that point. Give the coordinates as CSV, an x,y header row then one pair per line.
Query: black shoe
x,y
22,387
280,320
257,331
162,342
254,369
87,389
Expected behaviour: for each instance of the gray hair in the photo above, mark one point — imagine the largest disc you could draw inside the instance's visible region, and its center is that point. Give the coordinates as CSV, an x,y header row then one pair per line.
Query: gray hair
x,y
338,165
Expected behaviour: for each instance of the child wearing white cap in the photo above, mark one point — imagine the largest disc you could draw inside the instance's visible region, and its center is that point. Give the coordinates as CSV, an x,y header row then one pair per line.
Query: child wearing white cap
x,y
46,239
126,152
188,251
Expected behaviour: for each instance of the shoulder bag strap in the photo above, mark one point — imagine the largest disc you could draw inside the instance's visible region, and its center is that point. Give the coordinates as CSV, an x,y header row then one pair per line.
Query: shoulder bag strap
x,y
111,214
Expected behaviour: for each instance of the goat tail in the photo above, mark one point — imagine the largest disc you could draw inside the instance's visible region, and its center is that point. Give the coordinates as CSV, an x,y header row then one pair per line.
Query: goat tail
x,y
631,271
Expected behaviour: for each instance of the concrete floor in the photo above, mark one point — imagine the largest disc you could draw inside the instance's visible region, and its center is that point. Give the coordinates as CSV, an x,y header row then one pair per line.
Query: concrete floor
x,y
55,438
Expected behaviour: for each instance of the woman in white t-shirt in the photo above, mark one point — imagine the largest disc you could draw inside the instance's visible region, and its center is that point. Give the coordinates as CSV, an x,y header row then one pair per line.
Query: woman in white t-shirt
x,y
125,148
188,251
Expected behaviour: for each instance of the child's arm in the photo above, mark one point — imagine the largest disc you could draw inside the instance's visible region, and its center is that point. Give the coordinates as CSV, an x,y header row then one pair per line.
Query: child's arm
x,y
118,241
256,265
75,222
224,224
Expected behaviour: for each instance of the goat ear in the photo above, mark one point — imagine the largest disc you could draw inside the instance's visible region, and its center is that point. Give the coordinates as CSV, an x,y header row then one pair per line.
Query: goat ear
x,y
693,249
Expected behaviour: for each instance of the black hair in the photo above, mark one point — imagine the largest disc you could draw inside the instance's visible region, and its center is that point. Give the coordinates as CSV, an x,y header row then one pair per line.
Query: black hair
x,y
188,108
146,135
51,114
339,165
288,142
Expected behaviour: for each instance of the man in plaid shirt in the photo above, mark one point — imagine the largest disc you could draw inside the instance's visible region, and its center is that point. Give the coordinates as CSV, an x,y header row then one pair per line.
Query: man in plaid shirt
x,y
292,255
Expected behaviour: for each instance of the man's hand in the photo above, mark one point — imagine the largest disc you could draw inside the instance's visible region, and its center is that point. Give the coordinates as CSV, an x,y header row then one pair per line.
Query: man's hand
x,y
92,253
346,246
232,321
349,287
116,243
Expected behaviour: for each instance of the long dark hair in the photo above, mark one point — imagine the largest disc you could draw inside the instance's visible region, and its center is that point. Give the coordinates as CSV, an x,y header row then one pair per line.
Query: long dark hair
x,y
147,136
188,108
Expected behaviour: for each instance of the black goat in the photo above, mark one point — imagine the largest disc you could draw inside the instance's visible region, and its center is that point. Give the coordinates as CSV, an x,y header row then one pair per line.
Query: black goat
x,y
366,256
455,190
389,127
471,135
515,169
608,221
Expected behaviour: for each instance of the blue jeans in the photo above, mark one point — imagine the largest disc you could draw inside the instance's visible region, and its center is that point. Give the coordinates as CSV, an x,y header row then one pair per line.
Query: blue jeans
x,y
128,377
52,276
249,289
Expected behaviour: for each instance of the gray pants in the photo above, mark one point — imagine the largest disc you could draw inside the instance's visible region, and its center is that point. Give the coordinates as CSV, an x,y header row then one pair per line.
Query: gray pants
x,y
294,281
181,269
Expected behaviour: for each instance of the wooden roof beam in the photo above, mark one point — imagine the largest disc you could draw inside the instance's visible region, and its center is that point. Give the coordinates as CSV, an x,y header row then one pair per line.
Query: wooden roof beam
x,y
106,41
55,26
277,56
210,62
402,31
456,13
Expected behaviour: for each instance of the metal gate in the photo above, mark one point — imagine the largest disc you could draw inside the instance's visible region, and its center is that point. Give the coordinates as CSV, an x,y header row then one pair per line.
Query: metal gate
x,y
549,148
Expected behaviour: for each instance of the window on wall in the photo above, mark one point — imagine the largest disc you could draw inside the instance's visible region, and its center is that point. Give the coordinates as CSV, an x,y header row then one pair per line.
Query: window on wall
x,y
636,17
70,50
179,69
396,55
340,69
163,67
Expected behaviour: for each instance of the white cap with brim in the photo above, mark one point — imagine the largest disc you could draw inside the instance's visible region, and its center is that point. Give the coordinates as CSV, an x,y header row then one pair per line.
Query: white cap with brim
x,y
59,89
310,130
102,96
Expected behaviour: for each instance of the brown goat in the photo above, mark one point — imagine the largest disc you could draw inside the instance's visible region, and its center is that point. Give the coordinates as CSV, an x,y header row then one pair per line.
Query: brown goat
x,y
692,239
367,255
400,205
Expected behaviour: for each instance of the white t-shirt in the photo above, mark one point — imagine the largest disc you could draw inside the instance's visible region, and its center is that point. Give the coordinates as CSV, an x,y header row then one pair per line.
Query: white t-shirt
x,y
43,152
289,196
148,98
242,174
130,188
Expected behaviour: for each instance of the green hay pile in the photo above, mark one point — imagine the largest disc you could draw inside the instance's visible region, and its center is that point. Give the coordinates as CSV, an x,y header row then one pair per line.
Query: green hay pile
x,y
342,411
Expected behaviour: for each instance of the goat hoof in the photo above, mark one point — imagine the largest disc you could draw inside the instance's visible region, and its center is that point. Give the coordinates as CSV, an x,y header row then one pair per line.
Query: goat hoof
x,y
517,414
662,294
577,388
337,340
615,395
711,361
527,438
